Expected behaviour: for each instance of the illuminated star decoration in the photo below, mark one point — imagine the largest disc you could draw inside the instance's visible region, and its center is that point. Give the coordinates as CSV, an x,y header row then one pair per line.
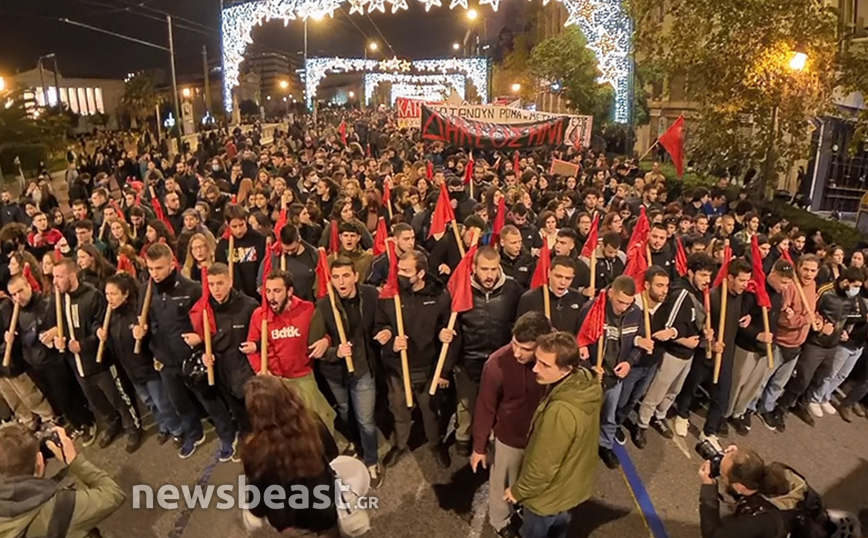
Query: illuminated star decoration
x,y
432,3
398,5
458,3
358,6
456,81
492,3
378,5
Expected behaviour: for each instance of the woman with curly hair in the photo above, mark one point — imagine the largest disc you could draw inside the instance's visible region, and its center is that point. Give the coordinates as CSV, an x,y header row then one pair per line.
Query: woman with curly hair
x,y
288,446
299,216
155,232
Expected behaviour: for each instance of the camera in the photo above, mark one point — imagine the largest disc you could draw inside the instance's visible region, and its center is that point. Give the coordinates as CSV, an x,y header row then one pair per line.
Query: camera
x,y
710,453
44,434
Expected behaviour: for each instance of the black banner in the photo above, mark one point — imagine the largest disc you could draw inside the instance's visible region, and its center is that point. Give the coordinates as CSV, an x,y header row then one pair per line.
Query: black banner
x,y
471,134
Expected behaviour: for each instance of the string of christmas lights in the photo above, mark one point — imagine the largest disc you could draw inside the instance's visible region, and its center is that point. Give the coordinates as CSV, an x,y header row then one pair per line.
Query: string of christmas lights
x,y
428,92
456,81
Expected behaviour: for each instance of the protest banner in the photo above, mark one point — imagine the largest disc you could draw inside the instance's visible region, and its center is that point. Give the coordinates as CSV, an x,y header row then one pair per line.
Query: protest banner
x,y
470,134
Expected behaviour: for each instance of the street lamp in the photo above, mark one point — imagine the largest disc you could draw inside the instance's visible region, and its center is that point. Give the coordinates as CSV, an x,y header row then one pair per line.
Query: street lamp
x,y
798,60
455,46
352,94
186,93
284,84
472,14
2,84
516,87
373,46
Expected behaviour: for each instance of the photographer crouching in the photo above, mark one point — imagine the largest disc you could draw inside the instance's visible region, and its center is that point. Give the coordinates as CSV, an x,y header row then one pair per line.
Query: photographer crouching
x,y
771,501
32,505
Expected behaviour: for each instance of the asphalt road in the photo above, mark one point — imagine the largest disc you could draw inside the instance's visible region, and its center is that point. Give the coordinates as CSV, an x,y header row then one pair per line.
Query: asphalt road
x,y
420,499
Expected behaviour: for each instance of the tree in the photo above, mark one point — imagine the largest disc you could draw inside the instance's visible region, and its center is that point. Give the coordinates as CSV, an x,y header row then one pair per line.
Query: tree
x,y
30,136
566,59
140,96
753,108
515,69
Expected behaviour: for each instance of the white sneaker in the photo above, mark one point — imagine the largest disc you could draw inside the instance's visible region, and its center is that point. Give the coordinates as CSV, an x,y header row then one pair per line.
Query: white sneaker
x,y
815,409
711,439
828,408
681,426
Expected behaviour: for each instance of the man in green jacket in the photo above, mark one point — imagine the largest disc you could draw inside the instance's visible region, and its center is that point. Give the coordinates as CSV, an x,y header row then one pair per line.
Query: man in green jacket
x,y
28,499
557,473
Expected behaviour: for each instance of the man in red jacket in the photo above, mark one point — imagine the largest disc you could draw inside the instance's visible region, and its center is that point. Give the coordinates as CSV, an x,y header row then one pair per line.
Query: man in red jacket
x,y
508,396
290,355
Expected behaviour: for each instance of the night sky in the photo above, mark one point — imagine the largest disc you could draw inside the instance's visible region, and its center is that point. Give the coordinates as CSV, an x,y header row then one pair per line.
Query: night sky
x,y
30,28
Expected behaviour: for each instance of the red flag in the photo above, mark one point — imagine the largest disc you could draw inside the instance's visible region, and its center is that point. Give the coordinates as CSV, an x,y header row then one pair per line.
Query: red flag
x,y
58,255
334,238
499,221
161,215
595,322
429,170
342,130
387,193
234,199
281,222
380,237
637,264
516,162
459,283
541,273
202,308
28,275
641,229
137,186
680,257
468,170
724,267
593,237
390,289
442,213
673,142
125,265
323,274
368,150
757,284
786,255
117,208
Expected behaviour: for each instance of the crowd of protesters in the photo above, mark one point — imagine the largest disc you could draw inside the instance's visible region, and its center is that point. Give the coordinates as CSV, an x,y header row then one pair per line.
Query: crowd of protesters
x,y
247,223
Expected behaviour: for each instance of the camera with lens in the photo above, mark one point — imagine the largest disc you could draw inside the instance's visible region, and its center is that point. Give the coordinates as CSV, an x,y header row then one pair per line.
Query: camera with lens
x,y
711,454
44,434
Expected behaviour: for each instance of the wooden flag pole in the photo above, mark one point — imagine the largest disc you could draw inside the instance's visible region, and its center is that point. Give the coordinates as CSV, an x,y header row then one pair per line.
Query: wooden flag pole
x,y
458,240
263,346
649,150
708,351
646,313
206,325
78,363
600,352
106,321
648,252
231,258
718,357
441,361
811,318
342,335
58,313
7,354
405,361
593,272
389,209
143,316
769,351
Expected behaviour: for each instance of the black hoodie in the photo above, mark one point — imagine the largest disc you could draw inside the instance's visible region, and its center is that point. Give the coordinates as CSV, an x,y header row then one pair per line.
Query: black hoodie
x,y
85,313
138,367
232,318
249,253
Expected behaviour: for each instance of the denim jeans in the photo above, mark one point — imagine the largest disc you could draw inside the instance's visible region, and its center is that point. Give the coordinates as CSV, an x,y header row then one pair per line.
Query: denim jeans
x,y
845,360
153,395
633,389
362,391
535,526
774,384
608,426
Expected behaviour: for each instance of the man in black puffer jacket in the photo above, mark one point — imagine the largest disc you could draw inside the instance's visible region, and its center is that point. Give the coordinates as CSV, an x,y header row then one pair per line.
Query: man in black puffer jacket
x,y
482,330
83,312
49,372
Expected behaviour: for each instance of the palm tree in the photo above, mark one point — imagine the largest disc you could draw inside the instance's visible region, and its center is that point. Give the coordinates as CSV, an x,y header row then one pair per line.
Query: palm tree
x,y
140,96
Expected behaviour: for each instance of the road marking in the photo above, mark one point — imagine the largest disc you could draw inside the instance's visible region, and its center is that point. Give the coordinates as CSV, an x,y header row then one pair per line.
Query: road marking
x,y
640,495
681,443
480,510
183,518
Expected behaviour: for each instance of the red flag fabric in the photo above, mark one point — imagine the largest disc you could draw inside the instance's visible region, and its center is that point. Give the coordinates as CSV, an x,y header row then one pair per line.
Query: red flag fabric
x,y
281,222
680,257
516,162
334,238
429,170
342,130
202,308
459,283
390,289
757,284
442,213
137,186
595,322
541,273
593,237
125,265
58,255
786,255
380,237
226,233
468,170
323,274
387,193
641,229
234,199
161,215
118,209
724,268
367,150
27,273
637,264
499,221
673,142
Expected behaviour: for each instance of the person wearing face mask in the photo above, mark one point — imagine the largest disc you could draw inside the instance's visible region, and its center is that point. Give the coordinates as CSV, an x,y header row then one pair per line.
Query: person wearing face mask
x,y
836,303
483,329
515,261
462,203
31,503
425,301
565,302
405,241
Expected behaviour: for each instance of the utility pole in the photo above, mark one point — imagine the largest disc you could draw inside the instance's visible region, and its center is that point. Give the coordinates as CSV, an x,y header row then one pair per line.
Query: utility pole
x,y
207,80
174,81
42,81
57,83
